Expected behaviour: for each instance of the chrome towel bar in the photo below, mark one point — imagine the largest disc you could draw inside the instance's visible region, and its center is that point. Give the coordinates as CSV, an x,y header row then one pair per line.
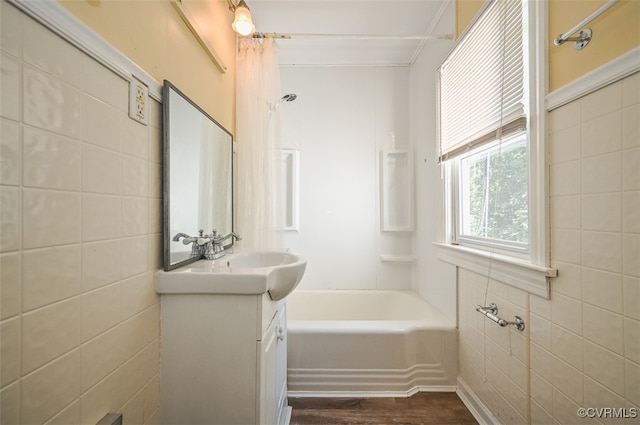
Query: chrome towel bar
x,y
585,35
492,313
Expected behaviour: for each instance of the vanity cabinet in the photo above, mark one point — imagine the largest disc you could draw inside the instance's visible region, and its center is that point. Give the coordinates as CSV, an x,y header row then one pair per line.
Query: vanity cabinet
x,y
223,359
273,372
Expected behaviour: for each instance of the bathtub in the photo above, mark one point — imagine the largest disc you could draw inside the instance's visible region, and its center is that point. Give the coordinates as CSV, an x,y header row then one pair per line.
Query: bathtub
x,y
344,343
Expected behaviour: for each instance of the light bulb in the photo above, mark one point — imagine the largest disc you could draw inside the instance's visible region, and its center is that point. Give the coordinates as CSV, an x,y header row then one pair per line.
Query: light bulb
x,y
242,23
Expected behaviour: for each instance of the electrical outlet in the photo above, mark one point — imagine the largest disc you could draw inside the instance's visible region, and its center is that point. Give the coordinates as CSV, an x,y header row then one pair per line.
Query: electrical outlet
x,y
139,101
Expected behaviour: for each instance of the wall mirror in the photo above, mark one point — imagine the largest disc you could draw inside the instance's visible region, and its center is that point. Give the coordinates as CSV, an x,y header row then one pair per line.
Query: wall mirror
x,y
197,175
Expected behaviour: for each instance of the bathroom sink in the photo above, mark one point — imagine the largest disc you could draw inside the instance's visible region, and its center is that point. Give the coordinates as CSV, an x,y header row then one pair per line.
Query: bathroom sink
x,y
259,259
245,272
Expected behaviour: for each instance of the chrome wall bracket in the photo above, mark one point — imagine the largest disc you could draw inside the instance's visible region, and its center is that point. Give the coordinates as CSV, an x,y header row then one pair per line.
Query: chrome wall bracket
x,y
579,42
491,312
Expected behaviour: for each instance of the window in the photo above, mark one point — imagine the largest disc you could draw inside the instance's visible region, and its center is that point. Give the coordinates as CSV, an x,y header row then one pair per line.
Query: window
x,y
493,195
492,145
479,104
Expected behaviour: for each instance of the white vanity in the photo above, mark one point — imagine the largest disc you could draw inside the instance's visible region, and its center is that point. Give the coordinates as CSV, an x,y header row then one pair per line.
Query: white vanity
x,y
224,339
223,354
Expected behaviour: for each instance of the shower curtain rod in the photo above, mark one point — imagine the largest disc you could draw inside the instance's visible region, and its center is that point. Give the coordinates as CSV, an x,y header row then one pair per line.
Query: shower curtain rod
x,y
288,36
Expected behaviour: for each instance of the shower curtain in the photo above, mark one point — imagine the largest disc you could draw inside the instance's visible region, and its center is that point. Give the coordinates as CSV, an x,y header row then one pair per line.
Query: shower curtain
x,y
258,140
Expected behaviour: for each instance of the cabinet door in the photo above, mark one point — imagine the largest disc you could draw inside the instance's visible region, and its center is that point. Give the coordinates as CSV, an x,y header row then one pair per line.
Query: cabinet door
x,y
281,369
268,398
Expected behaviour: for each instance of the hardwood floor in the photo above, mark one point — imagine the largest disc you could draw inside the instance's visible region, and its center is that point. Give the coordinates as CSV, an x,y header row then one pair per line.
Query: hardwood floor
x,y
421,408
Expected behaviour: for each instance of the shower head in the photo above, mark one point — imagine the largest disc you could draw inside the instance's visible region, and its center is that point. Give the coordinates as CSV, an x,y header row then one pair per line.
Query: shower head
x,y
286,98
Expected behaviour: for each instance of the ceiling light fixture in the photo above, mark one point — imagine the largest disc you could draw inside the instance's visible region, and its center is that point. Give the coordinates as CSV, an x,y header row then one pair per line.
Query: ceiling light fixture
x,y
242,24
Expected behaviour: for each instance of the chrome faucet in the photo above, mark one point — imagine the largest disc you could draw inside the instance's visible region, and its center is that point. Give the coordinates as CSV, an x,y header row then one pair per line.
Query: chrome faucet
x,y
216,247
199,243
209,246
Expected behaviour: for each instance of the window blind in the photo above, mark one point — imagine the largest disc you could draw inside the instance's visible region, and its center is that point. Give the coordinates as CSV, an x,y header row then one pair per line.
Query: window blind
x,y
482,80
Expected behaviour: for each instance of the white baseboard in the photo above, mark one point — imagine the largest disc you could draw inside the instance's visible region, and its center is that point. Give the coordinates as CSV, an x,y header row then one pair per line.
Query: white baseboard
x,y
286,416
348,382
372,394
477,408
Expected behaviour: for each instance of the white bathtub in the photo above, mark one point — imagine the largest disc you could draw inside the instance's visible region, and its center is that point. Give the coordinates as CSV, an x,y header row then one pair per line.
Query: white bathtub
x,y
344,343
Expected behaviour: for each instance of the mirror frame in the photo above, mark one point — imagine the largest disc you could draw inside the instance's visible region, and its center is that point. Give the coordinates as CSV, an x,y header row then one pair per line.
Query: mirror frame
x,y
166,173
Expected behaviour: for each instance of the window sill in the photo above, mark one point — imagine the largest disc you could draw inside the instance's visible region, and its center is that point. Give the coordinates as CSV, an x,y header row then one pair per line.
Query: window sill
x,y
510,271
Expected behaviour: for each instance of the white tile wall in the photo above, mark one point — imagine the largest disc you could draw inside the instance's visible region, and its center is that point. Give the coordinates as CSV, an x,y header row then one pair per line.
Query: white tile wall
x,y
50,275
11,288
583,343
50,388
11,224
10,85
50,218
595,325
10,350
494,361
603,289
101,170
80,236
50,161
601,135
630,132
10,153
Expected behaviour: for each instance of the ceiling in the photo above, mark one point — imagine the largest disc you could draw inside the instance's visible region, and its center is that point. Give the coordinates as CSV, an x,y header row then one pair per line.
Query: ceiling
x,y
327,32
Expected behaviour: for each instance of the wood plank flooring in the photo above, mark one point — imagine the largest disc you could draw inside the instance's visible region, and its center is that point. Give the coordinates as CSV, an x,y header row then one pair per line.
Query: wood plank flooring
x,y
422,408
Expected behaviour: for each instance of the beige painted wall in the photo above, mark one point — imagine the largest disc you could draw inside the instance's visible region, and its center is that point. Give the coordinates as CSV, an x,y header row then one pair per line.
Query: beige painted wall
x,y
153,35
466,10
614,33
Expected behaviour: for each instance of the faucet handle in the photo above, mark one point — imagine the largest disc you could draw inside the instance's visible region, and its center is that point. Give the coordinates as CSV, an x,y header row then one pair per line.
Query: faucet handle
x,y
177,237
186,239
203,240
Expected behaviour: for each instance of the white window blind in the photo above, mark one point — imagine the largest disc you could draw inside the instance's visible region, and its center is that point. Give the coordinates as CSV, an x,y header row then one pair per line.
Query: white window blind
x,y
478,102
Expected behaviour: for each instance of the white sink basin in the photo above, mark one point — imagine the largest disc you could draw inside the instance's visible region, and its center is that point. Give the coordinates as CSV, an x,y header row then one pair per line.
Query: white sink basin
x,y
251,272
259,259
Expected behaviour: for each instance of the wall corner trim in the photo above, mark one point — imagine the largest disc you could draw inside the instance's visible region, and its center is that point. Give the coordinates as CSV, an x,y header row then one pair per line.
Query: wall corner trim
x,y
54,16
617,69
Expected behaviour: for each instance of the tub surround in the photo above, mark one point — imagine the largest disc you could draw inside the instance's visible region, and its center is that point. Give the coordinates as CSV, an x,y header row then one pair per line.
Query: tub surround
x,y
346,202
368,343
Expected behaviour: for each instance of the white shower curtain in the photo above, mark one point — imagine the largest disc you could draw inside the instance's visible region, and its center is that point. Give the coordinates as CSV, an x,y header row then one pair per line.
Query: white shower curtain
x,y
258,138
